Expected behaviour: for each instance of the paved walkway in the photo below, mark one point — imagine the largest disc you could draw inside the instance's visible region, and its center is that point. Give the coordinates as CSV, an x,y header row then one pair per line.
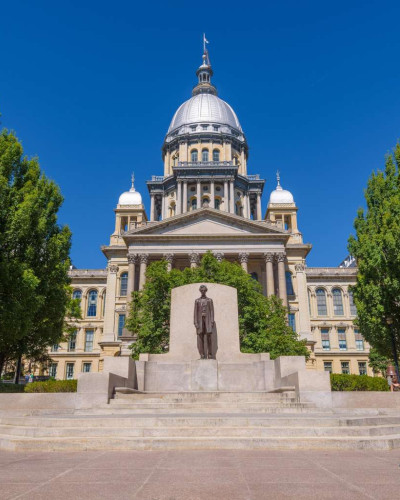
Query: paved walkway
x,y
195,475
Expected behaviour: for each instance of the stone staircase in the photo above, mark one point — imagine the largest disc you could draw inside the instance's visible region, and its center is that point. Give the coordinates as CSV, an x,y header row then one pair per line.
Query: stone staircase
x,y
202,420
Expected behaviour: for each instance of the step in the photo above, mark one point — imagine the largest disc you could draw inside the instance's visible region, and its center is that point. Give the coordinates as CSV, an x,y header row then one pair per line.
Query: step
x,y
8,442
205,396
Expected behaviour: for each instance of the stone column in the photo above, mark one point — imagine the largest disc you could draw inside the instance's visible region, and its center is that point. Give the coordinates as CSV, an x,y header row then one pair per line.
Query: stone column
x,y
169,257
152,207
179,199
259,217
219,256
185,200
282,278
132,261
232,197
198,194
144,259
194,258
243,259
109,312
226,197
269,269
212,194
304,326
163,214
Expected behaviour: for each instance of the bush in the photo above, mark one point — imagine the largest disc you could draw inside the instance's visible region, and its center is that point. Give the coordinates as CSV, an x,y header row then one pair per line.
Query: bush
x,y
344,382
52,386
11,387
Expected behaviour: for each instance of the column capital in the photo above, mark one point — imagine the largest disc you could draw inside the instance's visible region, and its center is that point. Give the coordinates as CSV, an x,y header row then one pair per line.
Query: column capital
x,y
144,258
243,257
113,269
132,258
300,268
194,257
219,256
281,256
169,257
269,257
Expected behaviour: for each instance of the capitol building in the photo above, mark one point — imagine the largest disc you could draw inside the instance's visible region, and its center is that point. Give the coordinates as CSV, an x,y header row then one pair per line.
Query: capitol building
x,y
206,200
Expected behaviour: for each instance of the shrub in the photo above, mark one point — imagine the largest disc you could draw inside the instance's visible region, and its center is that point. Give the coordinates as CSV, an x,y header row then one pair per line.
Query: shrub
x,y
344,382
11,387
52,386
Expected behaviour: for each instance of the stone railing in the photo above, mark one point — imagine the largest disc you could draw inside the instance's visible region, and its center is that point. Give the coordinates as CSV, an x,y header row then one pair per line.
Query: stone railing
x,y
331,271
205,164
87,273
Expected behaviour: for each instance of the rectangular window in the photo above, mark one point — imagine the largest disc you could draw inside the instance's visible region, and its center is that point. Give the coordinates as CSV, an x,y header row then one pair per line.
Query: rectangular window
x,y
72,342
53,370
87,367
69,372
359,340
342,339
362,367
55,347
328,366
292,321
121,324
326,344
89,340
345,367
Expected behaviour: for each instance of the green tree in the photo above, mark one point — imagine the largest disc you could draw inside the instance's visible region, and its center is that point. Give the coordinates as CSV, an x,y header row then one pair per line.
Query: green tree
x,y
262,321
377,362
376,248
34,256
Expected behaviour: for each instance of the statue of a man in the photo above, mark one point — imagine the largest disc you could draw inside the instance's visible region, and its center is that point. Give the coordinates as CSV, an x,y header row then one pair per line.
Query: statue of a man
x,y
204,323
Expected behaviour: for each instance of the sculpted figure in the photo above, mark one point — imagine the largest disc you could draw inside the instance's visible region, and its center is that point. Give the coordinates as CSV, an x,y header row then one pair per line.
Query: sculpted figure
x,y
204,323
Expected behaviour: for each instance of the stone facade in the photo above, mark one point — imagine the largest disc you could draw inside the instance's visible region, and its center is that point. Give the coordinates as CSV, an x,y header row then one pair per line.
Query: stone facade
x,y
206,201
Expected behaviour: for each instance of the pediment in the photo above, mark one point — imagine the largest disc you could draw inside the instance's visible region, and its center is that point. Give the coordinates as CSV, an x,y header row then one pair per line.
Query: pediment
x,y
206,221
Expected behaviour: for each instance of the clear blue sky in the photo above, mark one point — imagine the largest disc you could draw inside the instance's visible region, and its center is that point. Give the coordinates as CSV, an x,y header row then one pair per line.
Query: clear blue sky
x,y
90,87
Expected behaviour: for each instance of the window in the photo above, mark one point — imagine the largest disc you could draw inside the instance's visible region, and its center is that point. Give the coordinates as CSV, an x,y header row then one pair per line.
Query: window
x,y
217,203
345,367
321,302
55,347
254,276
362,367
359,340
77,294
123,287
326,343
328,366
92,303
194,155
86,367
72,342
204,155
289,283
53,370
69,372
342,339
194,204
353,309
89,336
216,155
337,302
121,324
292,321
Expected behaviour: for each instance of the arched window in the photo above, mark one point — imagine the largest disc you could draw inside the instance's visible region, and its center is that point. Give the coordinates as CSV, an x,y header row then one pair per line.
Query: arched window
x,y
123,286
92,303
289,283
194,204
194,155
217,203
205,200
254,276
77,294
337,302
216,155
204,155
353,309
321,302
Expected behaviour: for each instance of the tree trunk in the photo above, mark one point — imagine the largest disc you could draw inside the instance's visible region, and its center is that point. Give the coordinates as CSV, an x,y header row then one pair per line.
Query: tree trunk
x,y
18,370
2,360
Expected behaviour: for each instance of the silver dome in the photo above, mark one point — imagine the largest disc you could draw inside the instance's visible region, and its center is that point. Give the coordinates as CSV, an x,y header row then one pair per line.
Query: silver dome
x,y
205,108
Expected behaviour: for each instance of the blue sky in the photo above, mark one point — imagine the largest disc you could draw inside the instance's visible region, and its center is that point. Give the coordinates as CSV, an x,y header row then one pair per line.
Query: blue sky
x,y
90,87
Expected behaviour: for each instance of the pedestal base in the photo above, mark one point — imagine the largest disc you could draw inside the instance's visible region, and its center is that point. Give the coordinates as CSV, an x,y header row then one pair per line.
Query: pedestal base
x,y
204,375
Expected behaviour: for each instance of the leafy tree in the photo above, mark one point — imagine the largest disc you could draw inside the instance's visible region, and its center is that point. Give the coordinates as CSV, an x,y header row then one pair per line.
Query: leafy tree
x,y
376,249
262,320
377,362
34,256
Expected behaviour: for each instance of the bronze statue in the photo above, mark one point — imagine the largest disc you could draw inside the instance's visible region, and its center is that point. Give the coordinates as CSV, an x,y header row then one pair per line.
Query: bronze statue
x,y
204,323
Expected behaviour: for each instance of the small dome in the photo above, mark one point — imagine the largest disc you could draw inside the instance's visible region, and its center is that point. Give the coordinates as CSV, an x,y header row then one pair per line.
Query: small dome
x,y
279,195
131,197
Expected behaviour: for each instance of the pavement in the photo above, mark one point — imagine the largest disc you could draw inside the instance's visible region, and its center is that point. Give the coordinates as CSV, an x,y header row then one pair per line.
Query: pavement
x,y
202,474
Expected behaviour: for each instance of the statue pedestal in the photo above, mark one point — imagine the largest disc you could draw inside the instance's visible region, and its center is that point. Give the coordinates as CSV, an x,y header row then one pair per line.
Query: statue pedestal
x,y
204,376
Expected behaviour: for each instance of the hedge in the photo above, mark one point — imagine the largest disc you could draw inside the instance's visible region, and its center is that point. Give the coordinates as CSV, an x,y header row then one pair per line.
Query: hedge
x,y
52,386
11,387
344,382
